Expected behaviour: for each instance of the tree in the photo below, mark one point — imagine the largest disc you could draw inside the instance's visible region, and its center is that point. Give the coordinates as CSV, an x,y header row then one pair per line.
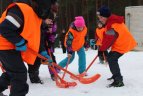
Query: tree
x,y
68,9
4,4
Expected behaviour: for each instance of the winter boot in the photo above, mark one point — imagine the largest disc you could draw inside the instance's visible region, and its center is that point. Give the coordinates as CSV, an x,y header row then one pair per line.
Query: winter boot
x,y
1,94
34,78
116,84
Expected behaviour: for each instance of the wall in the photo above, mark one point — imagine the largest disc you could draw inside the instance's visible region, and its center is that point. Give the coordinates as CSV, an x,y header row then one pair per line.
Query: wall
x,y
134,21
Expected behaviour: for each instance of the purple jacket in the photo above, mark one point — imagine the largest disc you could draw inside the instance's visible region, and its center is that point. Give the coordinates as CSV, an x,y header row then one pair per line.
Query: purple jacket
x,y
49,36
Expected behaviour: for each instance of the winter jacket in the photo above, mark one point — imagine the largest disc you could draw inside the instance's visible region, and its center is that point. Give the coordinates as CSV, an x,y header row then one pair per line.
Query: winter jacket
x,y
118,35
75,40
30,31
99,35
49,37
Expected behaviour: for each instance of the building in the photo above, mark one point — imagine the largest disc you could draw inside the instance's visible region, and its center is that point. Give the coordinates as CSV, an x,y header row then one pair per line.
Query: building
x,y
134,21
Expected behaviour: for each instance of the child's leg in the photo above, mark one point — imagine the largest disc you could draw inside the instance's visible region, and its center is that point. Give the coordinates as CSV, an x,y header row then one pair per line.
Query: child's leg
x,y
33,71
82,60
16,73
56,69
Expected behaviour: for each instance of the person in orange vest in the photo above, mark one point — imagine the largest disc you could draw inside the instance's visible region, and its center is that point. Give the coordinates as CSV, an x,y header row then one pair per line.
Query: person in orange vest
x,y
98,37
118,37
74,41
20,30
48,29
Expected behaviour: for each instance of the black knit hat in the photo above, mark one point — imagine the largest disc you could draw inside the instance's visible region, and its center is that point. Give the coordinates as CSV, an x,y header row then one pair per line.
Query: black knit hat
x,y
104,11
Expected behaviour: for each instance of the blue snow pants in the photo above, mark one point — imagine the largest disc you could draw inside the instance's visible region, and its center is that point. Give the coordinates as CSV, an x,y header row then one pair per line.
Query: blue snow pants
x,y
81,60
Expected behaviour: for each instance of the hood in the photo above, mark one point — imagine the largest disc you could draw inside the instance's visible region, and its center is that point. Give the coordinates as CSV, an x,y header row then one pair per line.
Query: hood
x,y
114,19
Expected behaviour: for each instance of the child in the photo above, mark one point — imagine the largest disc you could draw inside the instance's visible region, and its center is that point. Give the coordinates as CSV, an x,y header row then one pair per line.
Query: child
x,y
49,31
99,36
74,41
118,37
17,33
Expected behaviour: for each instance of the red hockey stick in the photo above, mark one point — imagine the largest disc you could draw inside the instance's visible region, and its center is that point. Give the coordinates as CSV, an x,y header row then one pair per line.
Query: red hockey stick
x,y
84,73
81,79
62,83
66,68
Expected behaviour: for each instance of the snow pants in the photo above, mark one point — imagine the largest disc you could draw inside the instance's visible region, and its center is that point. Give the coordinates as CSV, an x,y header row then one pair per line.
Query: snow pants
x,y
35,68
15,75
81,60
114,66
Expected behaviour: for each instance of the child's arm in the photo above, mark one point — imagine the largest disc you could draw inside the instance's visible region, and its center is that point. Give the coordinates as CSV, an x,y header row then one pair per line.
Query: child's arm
x,y
69,43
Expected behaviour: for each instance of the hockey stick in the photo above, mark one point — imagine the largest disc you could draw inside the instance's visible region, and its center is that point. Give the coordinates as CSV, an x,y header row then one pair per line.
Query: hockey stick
x,y
66,68
84,73
81,79
62,83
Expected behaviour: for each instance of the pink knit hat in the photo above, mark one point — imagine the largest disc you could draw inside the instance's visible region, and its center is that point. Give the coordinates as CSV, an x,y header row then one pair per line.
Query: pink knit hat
x,y
79,21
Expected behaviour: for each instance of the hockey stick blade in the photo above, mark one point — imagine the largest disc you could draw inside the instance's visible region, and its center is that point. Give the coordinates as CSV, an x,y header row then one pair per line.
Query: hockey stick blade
x,y
81,79
62,83
84,73
80,75
89,80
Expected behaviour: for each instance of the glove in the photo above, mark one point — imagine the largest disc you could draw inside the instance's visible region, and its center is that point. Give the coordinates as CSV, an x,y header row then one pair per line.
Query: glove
x,y
44,53
21,46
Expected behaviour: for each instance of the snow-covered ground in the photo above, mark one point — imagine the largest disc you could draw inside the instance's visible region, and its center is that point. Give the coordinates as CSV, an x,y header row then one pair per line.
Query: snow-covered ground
x,y
131,65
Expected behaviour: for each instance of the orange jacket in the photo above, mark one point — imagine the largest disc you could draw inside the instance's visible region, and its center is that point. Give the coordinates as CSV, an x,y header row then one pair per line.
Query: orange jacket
x,y
78,38
99,32
31,32
125,41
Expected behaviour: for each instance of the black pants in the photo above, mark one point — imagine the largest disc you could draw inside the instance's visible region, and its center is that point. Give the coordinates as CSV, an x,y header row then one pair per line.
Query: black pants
x,y
114,66
34,68
15,75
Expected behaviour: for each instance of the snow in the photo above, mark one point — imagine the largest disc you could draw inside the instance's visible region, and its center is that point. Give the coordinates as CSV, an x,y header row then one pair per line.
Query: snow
x,y
131,65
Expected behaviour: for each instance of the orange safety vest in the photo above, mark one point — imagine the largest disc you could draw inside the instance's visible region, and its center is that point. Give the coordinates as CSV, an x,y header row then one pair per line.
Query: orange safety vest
x,y
78,38
125,41
99,32
31,32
